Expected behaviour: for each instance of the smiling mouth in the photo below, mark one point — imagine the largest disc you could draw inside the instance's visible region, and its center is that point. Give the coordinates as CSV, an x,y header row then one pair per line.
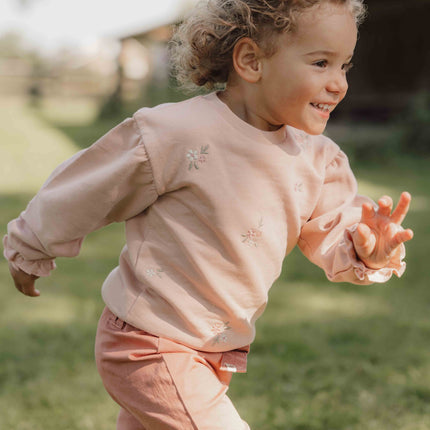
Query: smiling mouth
x,y
324,107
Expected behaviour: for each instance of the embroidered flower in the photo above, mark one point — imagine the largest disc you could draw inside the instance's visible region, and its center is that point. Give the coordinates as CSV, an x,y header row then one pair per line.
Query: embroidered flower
x,y
192,155
152,272
253,235
298,187
219,329
195,157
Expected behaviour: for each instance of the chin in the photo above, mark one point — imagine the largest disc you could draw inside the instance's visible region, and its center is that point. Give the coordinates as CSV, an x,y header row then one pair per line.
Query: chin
x,y
311,127
316,133
314,130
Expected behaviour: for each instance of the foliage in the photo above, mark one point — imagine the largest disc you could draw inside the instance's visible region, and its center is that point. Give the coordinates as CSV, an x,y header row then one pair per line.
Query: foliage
x,y
12,44
415,137
408,134
152,94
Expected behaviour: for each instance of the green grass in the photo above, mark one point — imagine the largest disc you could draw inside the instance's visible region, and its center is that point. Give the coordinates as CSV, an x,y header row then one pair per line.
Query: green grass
x,y
326,357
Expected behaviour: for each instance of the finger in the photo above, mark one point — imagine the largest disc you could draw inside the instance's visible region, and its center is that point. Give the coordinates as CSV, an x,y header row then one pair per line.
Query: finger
x,y
385,205
402,208
367,211
364,241
401,237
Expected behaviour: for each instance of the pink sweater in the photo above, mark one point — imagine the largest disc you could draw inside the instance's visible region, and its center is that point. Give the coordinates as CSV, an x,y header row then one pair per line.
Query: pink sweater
x,y
211,207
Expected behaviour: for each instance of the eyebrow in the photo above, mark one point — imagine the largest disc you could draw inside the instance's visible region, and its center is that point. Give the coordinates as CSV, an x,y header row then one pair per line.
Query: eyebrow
x,y
323,52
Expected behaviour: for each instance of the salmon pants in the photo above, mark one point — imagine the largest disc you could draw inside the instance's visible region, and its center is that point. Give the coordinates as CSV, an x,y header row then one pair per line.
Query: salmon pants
x,y
161,384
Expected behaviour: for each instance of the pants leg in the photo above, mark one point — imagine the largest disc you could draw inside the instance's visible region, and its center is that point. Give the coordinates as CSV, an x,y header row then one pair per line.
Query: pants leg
x,y
127,421
162,385
203,391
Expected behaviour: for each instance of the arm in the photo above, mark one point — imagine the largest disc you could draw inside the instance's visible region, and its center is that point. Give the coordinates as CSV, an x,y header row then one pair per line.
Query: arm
x,y
334,237
107,182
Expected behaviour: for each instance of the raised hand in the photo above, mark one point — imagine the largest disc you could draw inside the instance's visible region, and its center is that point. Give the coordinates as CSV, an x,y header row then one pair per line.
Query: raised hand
x,y
379,233
24,282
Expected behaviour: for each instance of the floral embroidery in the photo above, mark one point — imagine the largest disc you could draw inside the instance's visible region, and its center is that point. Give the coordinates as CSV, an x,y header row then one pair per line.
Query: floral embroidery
x,y
152,272
219,329
253,235
298,187
195,157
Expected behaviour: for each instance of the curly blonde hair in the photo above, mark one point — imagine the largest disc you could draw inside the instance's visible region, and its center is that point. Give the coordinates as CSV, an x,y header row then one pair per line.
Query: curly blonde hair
x,y
202,46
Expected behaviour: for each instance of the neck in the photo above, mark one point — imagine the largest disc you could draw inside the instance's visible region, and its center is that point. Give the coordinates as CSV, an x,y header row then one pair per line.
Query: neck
x,y
243,104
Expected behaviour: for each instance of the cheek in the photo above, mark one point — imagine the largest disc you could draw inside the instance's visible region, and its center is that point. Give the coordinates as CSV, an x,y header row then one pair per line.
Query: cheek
x,y
292,91
304,89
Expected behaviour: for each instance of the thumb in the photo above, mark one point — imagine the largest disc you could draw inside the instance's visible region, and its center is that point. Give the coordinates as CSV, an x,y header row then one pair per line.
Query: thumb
x,y
24,283
30,290
364,240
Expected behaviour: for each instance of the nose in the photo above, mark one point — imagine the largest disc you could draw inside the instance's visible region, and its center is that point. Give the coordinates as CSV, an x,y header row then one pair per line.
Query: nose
x,y
338,83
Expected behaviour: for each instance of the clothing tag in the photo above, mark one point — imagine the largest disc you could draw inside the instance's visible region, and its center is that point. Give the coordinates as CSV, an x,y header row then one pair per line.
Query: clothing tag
x,y
234,361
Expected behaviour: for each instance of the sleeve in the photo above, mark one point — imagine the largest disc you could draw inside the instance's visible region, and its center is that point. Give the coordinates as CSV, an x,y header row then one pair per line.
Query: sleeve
x,y
111,181
326,238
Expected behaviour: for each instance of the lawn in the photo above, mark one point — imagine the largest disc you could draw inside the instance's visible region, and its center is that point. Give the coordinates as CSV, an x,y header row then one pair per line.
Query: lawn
x,y
326,357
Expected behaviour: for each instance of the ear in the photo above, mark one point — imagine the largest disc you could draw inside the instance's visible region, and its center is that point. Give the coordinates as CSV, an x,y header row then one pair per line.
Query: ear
x,y
246,60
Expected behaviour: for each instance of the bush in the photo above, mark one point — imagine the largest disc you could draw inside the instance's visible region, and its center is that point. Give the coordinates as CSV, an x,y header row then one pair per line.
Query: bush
x,y
415,135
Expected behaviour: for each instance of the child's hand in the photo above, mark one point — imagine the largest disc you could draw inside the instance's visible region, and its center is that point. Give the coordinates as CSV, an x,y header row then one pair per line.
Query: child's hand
x,y
378,236
24,282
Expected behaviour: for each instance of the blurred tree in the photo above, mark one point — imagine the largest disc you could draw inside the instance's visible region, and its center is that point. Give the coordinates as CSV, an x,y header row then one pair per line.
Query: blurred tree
x,y
392,60
415,136
19,59
11,44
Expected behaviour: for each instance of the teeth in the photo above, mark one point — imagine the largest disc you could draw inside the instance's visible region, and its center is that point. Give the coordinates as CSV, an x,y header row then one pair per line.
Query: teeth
x,y
321,106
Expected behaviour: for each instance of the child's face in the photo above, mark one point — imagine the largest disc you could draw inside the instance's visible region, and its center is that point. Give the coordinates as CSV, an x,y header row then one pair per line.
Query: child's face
x,y
306,78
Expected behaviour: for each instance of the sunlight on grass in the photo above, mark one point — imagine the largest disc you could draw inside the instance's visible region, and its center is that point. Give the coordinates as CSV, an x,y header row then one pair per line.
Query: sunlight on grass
x,y
334,305
29,149
46,309
419,202
375,191
303,302
82,111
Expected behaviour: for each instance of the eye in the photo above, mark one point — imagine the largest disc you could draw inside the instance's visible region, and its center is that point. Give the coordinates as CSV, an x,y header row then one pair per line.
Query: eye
x,y
321,63
347,67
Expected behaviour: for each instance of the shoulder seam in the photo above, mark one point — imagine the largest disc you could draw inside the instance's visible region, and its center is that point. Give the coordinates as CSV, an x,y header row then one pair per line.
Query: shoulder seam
x,y
142,143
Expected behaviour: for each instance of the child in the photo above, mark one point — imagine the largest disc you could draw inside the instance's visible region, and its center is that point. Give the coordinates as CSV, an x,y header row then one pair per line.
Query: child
x,y
215,191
